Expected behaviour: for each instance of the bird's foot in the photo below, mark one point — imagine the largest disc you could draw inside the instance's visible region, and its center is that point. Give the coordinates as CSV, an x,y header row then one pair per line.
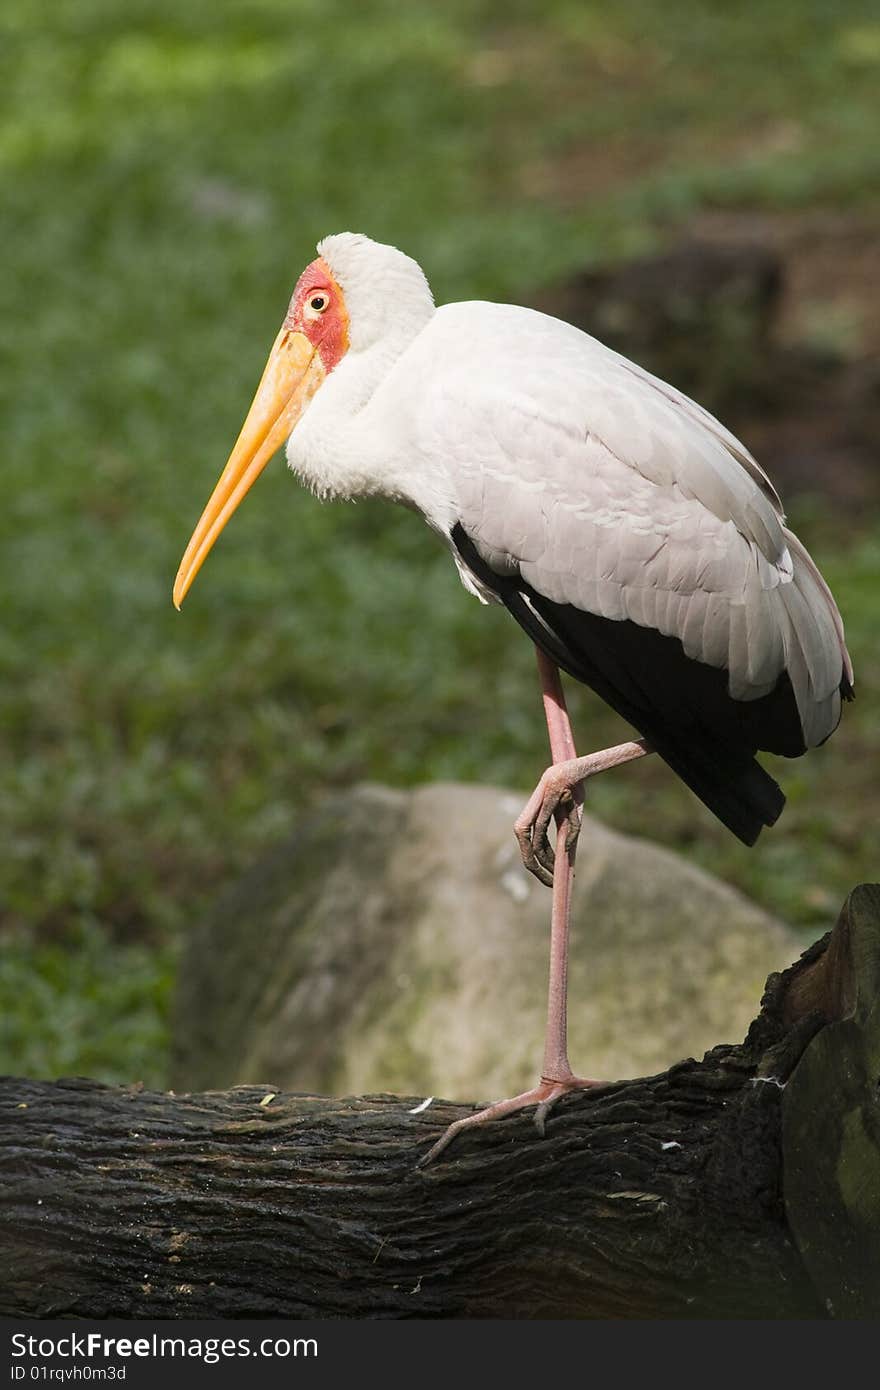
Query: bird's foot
x,y
543,1096
559,794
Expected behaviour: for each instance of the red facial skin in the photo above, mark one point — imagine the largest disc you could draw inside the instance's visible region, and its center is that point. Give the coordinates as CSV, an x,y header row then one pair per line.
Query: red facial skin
x,y
328,329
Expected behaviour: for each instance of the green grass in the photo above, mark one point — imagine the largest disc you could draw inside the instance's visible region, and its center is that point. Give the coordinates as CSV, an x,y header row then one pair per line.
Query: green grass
x,y
166,172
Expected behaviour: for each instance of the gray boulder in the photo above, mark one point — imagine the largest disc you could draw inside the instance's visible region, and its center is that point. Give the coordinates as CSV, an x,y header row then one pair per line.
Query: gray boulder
x,y
395,943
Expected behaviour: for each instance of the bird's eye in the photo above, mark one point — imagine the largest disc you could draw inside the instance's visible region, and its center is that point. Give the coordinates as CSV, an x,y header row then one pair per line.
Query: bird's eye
x,y
318,303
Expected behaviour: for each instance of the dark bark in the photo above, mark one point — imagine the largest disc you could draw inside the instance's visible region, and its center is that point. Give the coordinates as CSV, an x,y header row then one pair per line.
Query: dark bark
x,y
745,1185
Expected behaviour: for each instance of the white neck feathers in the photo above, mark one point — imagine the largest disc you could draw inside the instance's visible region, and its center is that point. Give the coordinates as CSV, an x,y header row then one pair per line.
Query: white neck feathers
x,y
389,303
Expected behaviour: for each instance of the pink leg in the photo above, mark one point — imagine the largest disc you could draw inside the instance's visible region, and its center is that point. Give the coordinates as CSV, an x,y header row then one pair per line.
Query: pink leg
x,y
562,749
559,798
560,792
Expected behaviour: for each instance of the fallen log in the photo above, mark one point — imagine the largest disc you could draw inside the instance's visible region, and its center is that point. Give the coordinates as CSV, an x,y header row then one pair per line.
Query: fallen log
x,y
745,1185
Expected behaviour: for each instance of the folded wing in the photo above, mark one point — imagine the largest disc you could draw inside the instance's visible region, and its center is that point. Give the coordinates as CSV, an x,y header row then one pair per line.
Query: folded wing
x,y
643,547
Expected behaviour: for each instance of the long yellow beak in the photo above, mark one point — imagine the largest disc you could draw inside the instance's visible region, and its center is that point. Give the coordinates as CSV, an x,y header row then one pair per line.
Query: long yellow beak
x,y
291,377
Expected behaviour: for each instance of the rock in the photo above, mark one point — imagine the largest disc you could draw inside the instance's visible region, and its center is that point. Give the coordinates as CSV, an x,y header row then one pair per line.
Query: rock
x,y
396,943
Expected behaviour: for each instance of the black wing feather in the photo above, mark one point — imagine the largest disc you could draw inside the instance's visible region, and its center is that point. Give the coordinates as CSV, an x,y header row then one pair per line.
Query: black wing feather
x,y
681,706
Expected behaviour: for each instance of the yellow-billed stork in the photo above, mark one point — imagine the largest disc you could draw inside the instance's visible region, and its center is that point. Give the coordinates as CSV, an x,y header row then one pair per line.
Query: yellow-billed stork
x,y
637,542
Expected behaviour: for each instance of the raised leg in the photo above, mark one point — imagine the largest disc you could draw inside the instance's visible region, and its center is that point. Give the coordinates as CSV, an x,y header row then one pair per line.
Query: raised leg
x,y
558,797
560,790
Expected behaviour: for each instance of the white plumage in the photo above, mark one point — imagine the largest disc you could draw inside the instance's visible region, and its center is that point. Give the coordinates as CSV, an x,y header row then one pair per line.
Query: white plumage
x,y
602,486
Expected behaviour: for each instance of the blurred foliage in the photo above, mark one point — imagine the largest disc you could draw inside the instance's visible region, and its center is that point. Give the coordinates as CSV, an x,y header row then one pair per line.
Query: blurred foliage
x,y
167,169
86,1005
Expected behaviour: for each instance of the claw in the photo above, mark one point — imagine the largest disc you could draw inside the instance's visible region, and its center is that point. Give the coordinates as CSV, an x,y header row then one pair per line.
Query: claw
x,y
540,839
530,846
550,799
534,866
544,1096
545,854
574,829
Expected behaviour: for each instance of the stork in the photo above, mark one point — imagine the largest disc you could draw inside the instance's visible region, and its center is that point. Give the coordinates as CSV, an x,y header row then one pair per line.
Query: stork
x,y
636,541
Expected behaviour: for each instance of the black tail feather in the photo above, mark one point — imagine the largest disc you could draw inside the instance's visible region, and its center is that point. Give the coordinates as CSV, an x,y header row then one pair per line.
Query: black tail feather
x,y
742,795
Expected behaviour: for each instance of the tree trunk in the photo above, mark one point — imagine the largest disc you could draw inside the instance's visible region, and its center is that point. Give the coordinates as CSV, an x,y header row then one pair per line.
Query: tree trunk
x,y
746,1185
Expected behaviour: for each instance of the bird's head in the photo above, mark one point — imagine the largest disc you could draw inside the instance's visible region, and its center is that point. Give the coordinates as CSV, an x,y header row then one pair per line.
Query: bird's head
x,y
311,341
349,297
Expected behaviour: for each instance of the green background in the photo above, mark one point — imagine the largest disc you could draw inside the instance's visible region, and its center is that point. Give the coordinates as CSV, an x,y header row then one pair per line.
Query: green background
x,y
166,171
